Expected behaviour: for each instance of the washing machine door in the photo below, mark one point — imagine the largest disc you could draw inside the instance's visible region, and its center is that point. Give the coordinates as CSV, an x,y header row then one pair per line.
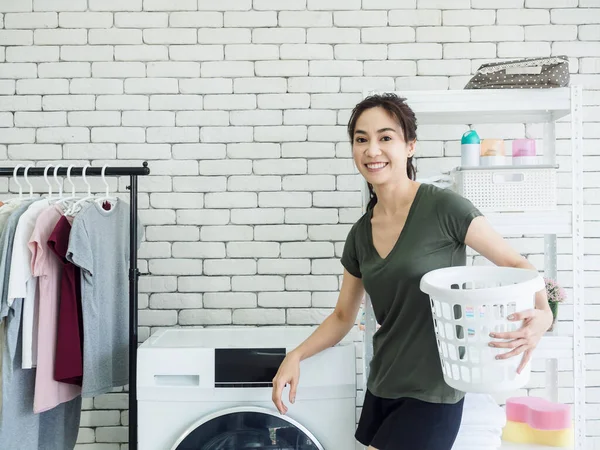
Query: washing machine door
x,y
247,428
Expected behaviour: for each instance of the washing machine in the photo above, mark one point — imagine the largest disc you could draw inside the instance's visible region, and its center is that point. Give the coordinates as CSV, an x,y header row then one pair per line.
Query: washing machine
x,y
210,389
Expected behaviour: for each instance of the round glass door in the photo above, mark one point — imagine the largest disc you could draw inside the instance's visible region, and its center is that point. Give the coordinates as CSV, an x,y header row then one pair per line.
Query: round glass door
x,y
247,428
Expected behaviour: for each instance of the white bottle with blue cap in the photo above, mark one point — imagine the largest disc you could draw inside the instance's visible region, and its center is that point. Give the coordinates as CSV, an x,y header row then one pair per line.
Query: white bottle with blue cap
x,y
470,149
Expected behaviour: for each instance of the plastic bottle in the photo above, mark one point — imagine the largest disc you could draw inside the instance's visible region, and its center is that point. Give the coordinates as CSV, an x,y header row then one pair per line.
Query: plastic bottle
x,y
523,152
470,147
493,153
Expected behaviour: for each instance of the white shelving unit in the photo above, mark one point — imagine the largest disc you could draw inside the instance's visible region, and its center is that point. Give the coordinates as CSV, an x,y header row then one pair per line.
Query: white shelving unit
x,y
524,106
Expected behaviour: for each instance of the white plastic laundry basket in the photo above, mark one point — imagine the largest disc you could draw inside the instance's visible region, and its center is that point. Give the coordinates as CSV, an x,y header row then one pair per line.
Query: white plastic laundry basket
x,y
468,303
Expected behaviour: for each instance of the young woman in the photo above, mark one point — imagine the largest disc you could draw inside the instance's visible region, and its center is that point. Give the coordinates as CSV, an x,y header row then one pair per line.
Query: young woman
x,y
409,229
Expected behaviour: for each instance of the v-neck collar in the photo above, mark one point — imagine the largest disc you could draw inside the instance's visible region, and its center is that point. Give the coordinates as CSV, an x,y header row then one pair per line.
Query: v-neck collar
x,y
411,210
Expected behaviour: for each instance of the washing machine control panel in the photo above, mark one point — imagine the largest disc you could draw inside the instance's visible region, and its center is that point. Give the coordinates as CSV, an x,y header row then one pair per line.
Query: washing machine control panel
x,y
247,367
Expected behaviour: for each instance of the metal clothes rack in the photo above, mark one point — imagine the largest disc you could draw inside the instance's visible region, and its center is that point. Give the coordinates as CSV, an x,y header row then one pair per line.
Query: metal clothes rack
x,y
134,273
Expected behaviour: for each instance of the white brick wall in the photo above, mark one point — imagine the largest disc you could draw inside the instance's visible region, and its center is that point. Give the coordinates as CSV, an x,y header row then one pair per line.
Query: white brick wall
x,y
240,107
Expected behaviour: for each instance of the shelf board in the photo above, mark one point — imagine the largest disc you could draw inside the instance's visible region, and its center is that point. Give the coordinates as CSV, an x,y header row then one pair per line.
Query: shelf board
x,y
551,347
533,222
554,347
460,106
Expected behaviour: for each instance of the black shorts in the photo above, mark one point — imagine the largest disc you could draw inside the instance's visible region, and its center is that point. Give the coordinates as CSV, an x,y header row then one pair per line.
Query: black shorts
x,y
408,424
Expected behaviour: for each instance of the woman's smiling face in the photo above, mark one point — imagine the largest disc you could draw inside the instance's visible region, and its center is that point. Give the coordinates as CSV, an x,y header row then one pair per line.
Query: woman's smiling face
x,y
379,148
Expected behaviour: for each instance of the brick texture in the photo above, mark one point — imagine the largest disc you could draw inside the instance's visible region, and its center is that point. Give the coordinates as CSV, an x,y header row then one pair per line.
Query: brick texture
x,y
240,108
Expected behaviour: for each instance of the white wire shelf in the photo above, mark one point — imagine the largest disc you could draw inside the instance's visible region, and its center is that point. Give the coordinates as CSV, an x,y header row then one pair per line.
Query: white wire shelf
x,y
531,222
551,347
489,105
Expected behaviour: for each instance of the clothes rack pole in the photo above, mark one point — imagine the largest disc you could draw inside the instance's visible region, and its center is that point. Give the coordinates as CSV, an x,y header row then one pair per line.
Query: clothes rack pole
x,y
76,171
134,273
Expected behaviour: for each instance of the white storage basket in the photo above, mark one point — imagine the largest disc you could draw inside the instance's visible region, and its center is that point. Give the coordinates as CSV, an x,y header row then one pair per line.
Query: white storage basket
x,y
468,303
508,188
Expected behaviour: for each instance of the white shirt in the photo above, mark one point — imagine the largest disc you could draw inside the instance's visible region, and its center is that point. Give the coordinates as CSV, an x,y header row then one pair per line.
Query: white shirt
x,y
22,284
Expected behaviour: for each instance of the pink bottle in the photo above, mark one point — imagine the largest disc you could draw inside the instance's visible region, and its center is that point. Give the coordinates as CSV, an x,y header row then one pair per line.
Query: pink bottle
x,y
523,152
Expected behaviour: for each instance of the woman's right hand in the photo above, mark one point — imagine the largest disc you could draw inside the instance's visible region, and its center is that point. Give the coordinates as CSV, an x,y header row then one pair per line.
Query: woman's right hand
x,y
288,373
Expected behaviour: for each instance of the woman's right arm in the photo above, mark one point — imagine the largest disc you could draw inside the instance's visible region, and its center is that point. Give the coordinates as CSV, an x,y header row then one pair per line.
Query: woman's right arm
x,y
333,329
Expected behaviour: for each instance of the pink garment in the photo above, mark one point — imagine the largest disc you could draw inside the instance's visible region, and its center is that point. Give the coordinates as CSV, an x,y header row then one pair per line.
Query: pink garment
x,y
46,265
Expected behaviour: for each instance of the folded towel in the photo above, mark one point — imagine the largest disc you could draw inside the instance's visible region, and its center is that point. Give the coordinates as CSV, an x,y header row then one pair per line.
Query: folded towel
x,y
479,401
475,447
481,441
481,436
482,410
480,429
482,423
484,419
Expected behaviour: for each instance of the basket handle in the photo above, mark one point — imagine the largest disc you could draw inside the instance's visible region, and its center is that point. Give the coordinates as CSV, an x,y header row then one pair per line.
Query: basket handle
x,y
508,177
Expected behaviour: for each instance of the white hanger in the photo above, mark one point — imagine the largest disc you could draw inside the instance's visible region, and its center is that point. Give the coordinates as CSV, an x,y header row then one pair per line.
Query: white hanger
x,y
47,182
89,192
27,180
17,180
107,196
69,179
58,183
74,207
73,196
13,200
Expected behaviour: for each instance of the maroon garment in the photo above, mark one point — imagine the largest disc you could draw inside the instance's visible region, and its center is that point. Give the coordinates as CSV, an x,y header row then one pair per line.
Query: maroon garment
x,y
68,366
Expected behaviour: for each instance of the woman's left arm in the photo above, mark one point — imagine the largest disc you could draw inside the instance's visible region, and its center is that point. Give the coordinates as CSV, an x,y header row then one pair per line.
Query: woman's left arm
x,y
482,238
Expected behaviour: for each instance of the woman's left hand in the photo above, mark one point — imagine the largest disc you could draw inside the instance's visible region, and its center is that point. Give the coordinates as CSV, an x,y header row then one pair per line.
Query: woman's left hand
x,y
535,323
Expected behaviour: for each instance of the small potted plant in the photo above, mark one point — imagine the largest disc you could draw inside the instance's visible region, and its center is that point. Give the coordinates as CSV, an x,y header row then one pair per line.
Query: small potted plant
x,y
556,294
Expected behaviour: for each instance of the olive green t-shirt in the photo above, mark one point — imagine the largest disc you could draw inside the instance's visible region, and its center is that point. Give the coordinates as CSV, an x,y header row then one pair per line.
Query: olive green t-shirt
x,y
405,360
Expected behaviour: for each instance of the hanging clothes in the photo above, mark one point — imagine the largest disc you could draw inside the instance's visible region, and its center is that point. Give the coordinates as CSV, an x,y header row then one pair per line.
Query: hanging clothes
x,y
45,265
6,211
22,284
20,427
68,366
99,245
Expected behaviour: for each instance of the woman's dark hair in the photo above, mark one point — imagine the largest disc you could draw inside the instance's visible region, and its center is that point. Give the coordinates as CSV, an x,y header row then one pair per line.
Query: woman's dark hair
x,y
401,112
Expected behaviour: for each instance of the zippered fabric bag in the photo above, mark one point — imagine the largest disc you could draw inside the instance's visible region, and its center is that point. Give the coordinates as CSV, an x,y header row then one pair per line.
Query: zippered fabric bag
x,y
527,73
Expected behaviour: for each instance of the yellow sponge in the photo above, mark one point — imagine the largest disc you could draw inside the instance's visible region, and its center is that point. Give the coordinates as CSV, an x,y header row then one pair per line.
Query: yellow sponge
x,y
522,433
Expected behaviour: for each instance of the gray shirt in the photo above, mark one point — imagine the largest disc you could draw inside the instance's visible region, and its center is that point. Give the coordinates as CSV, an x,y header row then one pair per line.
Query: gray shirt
x,y
99,245
20,427
10,214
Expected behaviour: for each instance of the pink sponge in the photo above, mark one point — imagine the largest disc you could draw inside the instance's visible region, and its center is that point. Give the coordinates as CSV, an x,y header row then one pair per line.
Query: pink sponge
x,y
538,413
